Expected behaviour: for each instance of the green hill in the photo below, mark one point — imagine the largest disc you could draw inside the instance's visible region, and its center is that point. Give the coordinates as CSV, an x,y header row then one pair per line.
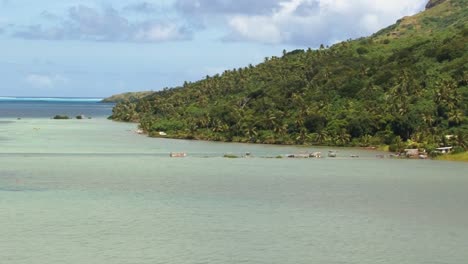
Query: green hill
x,y
126,97
404,85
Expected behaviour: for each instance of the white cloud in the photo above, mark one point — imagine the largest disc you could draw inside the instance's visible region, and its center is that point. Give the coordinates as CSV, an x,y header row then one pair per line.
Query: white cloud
x,y
142,7
255,28
216,7
45,80
105,24
300,22
160,32
312,22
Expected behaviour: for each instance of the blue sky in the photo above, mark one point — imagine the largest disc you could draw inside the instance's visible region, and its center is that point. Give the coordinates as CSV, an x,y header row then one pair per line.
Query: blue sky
x,y
99,48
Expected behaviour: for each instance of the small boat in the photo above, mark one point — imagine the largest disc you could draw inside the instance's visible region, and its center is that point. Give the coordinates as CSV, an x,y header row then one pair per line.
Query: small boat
x,y
298,156
332,154
305,155
354,156
178,155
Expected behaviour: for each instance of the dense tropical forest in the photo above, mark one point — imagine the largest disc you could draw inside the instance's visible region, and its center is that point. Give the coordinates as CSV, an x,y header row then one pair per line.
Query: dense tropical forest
x,y
405,86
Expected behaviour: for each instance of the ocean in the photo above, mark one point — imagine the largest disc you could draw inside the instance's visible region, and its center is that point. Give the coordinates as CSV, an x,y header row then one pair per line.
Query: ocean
x,y
44,107
94,191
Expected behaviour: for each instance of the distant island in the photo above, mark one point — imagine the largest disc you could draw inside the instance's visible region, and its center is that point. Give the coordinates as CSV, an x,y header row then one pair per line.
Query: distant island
x,y
126,97
406,86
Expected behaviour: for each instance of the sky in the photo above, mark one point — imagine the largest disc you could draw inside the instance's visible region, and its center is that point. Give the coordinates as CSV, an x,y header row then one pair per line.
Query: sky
x,y
96,48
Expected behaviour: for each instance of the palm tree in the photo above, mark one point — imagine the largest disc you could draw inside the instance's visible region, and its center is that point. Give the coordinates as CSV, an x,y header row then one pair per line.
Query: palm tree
x,y
321,137
250,130
302,136
461,139
192,127
366,140
399,144
342,138
219,126
280,129
446,93
428,118
455,116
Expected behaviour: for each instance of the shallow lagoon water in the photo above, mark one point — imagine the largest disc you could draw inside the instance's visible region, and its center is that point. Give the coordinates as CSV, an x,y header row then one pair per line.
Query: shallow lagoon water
x,y
93,191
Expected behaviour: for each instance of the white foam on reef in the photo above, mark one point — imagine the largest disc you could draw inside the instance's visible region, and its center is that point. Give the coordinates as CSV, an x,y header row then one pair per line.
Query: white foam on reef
x,y
49,99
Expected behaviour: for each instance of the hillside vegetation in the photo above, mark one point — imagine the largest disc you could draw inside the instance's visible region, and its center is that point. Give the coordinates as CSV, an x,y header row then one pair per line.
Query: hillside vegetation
x,y
126,97
406,85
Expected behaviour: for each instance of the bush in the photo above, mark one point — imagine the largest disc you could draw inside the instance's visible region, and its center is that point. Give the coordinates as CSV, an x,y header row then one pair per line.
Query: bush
x,y
385,137
167,125
457,150
362,50
434,154
464,32
231,156
61,117
393,148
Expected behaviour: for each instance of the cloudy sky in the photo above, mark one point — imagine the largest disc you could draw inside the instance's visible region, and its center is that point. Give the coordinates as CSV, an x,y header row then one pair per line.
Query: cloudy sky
x,y
102,47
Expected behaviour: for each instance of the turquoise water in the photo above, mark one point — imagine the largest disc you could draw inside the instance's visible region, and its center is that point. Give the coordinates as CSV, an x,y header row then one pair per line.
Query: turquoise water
x,y
47,107
94,191
50,99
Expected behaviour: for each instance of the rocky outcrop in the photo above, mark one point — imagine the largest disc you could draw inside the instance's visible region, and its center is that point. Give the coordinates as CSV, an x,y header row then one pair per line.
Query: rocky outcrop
x,y
433,3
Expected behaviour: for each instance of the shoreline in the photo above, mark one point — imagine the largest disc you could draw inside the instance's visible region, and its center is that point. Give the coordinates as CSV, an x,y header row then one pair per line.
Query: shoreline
x,y
378,152
459,157
377,149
